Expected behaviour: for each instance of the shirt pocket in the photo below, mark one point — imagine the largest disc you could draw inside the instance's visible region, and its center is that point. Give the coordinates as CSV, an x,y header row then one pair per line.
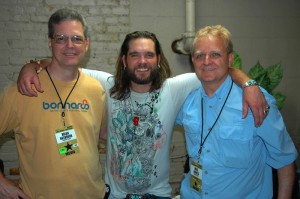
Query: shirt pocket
x,y
236,144
192,137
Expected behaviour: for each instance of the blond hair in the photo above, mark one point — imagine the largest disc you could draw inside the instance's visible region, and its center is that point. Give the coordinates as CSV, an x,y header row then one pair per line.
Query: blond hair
x,y
217,31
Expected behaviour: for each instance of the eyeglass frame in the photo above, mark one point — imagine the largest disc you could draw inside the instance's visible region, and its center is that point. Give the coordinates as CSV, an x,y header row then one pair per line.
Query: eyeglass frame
x,y
66,38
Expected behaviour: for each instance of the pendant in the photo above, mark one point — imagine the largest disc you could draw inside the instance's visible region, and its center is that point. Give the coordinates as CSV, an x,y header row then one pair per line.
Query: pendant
x,y
135,120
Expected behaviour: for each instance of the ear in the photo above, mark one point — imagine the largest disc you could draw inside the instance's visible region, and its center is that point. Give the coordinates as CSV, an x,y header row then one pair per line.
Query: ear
x,y
87,46
230,58
49,43
124,61
158,59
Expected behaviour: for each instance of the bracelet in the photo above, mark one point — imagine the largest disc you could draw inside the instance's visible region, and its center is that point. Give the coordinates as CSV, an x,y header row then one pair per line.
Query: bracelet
x,y
250,82
37,61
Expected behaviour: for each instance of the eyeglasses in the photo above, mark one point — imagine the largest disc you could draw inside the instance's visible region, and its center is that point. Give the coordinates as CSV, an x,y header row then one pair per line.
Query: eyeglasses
x,y
211,55
63,39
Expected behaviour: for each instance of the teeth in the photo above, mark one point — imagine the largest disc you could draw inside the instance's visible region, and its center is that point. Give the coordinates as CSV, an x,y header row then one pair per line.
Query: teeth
x,y
142,69
208,69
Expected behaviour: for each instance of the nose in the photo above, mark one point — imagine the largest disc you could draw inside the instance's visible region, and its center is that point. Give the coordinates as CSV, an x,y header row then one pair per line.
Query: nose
x,y
69,43
142,59
207,59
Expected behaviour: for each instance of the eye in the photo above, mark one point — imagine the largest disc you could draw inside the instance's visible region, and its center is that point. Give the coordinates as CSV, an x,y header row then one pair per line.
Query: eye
x,y
215,55
134,55
150,55
60,38
77,39
200,56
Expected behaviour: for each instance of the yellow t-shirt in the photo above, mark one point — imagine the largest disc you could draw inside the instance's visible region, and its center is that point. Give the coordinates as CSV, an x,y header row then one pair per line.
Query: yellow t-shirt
x,y
44,172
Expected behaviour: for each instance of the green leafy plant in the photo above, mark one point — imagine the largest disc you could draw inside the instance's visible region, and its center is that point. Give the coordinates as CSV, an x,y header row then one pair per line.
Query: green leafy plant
x,y
267,77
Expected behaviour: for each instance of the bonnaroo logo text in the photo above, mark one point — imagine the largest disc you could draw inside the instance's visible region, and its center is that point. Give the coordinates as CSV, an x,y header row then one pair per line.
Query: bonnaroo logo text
x,y
71,106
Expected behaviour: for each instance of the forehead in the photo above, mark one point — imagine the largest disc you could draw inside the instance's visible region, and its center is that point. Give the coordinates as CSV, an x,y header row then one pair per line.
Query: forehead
x,y
68,27
210,43
141,45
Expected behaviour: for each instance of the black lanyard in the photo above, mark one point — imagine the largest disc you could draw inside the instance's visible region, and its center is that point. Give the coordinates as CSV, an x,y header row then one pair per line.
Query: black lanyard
x,y
202,142
63,104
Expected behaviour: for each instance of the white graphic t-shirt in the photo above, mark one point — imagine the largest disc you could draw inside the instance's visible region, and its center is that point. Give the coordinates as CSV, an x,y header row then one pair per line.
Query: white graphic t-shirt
x,y
139,135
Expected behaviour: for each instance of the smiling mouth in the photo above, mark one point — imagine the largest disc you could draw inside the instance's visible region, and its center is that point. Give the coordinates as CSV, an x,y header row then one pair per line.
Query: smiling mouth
x,y
70,54
142,69
208,68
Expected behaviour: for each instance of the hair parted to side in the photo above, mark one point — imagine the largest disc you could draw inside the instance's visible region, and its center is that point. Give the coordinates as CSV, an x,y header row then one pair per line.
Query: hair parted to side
x,y
121,88
63,15
218,31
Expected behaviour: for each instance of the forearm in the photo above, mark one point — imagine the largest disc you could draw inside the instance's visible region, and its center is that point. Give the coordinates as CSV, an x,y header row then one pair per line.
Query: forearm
x,y
238,76
286,179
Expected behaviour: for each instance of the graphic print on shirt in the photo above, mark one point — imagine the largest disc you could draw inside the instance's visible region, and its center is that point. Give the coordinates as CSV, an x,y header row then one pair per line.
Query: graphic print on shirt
x,y
136,136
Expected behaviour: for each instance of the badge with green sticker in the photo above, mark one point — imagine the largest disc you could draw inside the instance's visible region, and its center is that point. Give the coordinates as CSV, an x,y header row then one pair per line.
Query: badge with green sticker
x,y
66,141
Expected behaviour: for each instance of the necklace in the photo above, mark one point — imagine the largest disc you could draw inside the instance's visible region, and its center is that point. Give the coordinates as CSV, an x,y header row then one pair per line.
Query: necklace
x,y
137,113
63,104
202,141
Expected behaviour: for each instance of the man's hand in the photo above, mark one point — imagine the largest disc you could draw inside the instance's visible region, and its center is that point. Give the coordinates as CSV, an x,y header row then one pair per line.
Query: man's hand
x,y
10,191
253,98
29,78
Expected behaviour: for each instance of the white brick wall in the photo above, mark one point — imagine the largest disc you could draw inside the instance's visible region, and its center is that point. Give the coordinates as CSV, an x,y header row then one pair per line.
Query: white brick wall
x,y
24,36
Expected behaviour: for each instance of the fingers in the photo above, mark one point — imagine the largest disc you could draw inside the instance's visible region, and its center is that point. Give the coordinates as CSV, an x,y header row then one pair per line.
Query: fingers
x,y
25,86
253,98
22,195
26,89
9,190
266,110
258,116
28,80
37,84
245,110
262,111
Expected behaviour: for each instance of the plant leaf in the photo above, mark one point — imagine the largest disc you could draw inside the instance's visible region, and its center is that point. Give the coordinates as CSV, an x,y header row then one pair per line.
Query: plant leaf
x,y
256,71
237,61
274,73
280,99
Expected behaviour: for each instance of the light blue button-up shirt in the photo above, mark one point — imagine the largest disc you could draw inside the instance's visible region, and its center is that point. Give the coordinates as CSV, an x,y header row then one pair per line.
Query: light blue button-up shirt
x,y
237,157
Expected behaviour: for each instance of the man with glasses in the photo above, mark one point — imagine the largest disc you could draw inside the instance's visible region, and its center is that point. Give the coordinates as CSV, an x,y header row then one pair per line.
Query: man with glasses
x,y
229,157
57,132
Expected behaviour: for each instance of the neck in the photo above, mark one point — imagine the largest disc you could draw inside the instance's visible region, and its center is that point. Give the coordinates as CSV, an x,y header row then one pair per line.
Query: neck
x,y
210,88
140,88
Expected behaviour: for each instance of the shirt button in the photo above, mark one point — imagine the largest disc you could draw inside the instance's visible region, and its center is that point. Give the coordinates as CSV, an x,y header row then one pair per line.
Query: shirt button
x,y
206,193
208,151
210,106
206,172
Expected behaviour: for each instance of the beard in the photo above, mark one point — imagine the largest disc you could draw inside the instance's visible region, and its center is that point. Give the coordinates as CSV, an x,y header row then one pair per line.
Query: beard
x,y
142,80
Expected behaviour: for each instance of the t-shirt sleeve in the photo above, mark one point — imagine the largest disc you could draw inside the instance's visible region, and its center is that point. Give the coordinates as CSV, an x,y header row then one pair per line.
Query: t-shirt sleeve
x,y
101,76
182,85
8,117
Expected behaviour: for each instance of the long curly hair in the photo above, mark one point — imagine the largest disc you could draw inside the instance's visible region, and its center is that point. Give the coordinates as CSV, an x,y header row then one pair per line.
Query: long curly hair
x,y
121,88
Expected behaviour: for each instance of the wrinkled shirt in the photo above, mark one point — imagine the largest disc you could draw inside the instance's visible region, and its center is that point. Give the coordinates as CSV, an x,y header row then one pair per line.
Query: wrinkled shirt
x,y
237,157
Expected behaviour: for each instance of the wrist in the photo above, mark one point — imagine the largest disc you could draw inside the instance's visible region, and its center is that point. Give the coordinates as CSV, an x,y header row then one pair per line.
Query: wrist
x,y
38,68
250,82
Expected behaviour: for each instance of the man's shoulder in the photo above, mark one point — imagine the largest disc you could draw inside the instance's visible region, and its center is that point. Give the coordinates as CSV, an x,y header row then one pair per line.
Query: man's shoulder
x,y
90,81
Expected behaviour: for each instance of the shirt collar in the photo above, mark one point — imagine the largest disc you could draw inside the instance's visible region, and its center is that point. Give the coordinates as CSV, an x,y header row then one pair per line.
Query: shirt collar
x,y
221,92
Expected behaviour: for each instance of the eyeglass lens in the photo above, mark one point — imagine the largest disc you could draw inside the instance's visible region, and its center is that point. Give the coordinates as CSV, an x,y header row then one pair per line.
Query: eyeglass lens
x,y
62,39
